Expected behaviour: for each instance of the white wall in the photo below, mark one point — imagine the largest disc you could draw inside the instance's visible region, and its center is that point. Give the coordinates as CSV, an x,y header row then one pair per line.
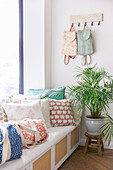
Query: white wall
x,y
34,66
48,42
103,39
44,23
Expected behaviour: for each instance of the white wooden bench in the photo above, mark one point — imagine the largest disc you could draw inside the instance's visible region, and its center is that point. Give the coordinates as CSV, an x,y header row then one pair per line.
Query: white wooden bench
x,y
60,144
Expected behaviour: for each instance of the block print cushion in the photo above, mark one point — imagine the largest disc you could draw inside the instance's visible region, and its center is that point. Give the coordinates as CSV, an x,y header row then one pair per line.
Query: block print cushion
x,y
60,112
16,111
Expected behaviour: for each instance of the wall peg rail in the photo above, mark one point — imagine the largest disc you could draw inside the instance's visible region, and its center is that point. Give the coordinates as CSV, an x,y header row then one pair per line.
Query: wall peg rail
x,y
90,18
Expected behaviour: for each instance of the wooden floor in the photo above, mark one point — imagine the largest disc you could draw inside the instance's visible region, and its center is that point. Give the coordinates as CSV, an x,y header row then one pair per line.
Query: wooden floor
x,y
89,161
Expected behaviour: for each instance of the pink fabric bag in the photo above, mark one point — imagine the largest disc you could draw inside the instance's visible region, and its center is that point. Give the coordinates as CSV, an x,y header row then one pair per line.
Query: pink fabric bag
x,y
32,131
69,45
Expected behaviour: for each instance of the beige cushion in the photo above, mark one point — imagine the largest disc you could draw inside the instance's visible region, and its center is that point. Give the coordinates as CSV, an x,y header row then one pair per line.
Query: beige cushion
x,y
77,114
45,111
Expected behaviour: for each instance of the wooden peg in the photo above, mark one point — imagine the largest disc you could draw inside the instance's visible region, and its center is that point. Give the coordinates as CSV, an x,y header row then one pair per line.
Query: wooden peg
x,y
78,24
92,24
99,23
72,25
85,24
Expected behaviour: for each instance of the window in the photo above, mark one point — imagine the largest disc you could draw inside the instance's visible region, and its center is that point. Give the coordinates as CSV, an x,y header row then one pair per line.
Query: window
x,y
9,47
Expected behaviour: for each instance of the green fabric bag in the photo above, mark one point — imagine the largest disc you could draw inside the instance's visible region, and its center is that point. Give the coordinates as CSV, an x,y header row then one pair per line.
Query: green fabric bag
x,y
57,93
85,43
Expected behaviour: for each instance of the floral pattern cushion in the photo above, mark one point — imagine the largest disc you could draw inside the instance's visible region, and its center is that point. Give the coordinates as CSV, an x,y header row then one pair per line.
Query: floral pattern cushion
x,y
60,112
16,111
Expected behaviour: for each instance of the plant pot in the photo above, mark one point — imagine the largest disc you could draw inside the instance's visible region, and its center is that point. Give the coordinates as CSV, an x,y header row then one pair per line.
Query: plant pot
x,y
93,125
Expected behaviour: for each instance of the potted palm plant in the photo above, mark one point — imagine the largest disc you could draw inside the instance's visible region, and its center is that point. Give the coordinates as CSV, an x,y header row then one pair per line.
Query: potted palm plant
x,y
94,90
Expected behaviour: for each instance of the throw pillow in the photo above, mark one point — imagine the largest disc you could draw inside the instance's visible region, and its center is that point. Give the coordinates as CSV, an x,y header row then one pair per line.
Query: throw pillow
x,y
25,99
57,93
76,112
60,112
45,111
16,111
6,99
3,115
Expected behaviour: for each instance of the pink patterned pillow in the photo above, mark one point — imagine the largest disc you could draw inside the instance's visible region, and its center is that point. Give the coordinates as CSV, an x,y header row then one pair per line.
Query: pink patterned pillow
x,y
60,112
16,111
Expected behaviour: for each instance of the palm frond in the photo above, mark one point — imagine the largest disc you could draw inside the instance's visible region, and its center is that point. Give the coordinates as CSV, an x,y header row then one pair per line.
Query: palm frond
x,y
108,129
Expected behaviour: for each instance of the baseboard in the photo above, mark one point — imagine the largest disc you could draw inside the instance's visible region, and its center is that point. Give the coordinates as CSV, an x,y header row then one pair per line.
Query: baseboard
x,y
82,143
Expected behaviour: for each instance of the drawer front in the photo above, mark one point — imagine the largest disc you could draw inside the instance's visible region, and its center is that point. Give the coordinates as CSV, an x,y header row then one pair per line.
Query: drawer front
x,y
44,162
60,150
74,137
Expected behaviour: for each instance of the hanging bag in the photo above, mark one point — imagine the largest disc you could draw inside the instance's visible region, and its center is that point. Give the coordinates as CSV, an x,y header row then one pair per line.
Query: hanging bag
x,y
85,43
69,45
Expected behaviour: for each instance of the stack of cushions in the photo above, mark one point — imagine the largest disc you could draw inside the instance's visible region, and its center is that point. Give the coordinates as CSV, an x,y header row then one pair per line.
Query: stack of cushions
x,y
58,93
53,112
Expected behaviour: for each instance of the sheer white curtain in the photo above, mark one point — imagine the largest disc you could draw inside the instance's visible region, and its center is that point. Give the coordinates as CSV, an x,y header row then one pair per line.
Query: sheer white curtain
x,y
9,47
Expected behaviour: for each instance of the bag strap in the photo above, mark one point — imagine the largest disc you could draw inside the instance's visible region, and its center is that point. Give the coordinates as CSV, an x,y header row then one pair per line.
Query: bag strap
x,y
68,57
34,127
71,29
84,60
26,142
33,131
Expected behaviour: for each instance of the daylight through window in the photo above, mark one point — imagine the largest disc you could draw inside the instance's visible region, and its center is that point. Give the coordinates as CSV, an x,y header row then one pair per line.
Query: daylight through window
x,y
9,47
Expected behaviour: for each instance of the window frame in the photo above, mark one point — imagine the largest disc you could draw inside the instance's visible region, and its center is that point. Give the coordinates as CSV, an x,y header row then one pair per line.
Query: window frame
x,y
21,64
